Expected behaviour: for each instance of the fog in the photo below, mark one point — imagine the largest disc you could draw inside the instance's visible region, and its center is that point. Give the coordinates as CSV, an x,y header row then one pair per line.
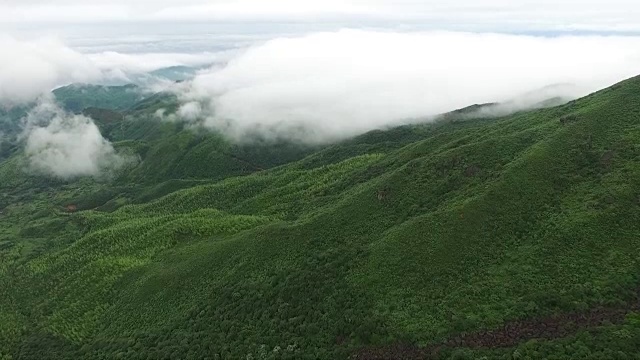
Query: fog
x,y
338,84
66,146
32,67
29,68
116,66
331,85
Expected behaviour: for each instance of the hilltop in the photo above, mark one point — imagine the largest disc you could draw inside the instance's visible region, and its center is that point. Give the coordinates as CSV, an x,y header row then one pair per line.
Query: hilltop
x,y
507,237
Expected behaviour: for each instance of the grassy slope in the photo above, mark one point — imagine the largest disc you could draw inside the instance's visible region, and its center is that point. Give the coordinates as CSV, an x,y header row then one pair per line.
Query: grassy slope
x,y
480,222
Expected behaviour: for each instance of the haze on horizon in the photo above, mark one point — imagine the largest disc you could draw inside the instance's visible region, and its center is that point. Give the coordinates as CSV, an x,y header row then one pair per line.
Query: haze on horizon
x,y
469,15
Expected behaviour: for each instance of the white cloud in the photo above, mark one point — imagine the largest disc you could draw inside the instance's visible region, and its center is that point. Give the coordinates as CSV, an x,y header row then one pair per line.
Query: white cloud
x,y
135,68
28,68
60,144
343,83
337,84
66,146
146,62
190,111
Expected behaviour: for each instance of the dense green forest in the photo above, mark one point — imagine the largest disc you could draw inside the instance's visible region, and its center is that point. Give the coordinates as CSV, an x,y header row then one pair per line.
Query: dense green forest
x,y
77,97
496,238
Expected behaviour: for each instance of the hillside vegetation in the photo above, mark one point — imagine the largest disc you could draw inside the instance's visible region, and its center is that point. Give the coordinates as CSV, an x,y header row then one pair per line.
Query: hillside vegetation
x,y
77,97
394,244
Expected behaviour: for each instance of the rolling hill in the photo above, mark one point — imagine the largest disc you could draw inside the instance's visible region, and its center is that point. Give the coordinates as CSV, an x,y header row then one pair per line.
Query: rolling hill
x,y
510,238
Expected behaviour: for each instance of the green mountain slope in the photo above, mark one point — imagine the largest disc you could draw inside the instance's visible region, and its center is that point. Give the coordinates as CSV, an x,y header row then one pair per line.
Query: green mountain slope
x,y
77,97
414,236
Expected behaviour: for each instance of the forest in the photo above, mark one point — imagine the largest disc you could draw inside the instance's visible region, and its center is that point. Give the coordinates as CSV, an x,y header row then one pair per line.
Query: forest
x,y
512,237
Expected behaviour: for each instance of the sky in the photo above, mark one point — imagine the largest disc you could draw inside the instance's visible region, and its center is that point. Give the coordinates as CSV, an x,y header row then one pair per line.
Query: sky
x,y
470,15
129,26
309,70
212,25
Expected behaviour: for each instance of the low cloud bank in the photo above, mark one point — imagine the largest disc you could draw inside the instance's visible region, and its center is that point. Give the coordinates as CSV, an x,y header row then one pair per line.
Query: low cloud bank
x,y
30,68
332,85
328,86
140,67
66,146
316,88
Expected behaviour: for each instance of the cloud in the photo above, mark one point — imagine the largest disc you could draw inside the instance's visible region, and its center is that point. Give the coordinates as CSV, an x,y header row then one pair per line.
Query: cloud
x,y
60,144
332,85
138,63
29,68
190,111
67,146
474,15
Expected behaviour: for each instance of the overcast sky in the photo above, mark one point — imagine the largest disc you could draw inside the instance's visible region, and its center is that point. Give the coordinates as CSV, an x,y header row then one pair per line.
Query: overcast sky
x,y
470,15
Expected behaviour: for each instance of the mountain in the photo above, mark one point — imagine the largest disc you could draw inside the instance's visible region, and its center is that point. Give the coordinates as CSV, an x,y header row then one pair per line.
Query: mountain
x,y
77,97
10,128
512,238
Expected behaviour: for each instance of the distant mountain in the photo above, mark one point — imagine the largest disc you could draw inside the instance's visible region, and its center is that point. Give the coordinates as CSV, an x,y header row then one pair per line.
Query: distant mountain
x,y
77,97
176,73
10,128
